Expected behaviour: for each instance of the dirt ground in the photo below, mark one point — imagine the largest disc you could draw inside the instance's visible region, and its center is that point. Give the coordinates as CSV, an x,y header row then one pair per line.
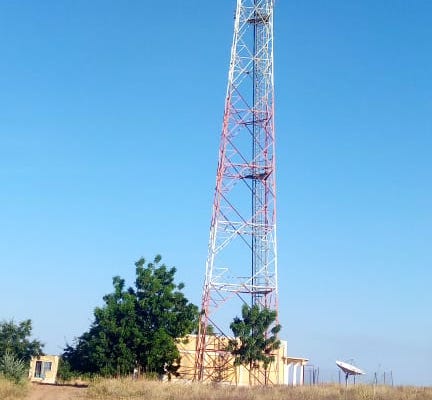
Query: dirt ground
x,y
55,392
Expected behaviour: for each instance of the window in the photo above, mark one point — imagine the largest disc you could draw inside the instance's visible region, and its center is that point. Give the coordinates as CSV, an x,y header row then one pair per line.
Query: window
x,y
47,366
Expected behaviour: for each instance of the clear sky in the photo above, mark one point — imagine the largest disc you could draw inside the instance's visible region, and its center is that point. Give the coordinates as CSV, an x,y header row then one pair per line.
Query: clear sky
x,y
110,115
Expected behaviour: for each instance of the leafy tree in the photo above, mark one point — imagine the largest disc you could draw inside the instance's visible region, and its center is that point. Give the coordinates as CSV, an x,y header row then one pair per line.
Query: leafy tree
x,y
254,339
137,326
15,340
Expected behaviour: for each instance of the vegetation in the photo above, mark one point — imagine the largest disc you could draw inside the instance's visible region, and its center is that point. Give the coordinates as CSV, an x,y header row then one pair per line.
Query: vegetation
x,y
13,368
12,391
254,339
14,340
142,389
137,327
64,373
122,389
16,350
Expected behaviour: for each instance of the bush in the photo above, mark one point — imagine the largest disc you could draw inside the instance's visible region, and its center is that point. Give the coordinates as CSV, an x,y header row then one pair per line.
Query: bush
x,y
12,368
64,372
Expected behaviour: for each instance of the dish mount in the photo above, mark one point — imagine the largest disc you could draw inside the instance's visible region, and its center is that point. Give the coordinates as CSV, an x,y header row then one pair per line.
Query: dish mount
x,y
349,369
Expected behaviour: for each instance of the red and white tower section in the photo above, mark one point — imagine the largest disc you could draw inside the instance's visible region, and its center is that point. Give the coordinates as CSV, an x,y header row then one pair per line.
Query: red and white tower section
x,y
242,252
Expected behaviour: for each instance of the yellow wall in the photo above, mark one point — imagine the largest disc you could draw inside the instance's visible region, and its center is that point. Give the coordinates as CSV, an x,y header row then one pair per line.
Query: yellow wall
x,y
44,369
219,364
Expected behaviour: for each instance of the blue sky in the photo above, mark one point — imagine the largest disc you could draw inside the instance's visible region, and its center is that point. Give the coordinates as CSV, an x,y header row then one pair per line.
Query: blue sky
x,y
110,115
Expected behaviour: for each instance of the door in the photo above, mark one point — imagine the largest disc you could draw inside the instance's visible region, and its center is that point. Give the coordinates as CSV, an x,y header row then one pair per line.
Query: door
x,y
38,369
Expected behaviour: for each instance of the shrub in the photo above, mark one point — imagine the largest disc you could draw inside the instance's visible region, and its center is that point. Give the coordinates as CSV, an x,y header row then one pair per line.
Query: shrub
x,y
13,368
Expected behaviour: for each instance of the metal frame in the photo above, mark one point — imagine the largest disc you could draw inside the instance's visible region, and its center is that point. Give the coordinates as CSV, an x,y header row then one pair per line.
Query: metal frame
x,y
242,250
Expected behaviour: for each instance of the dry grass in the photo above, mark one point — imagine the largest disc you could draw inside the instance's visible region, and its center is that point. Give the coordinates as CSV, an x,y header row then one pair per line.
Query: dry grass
x,y
12,391
127,389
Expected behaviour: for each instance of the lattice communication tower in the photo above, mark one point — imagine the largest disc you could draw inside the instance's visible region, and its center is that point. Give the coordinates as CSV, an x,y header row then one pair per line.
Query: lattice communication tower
x,y
242,252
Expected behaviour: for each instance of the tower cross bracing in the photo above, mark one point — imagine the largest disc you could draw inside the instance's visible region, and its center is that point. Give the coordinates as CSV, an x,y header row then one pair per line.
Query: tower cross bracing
x,y
242,249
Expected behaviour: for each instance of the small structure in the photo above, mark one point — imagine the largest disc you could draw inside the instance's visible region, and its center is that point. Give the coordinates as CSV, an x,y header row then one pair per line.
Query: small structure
x,y
43,369
220,366
294,370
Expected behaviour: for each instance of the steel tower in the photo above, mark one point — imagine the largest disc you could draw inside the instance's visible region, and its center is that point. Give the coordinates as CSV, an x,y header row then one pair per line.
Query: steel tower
x,y
242,253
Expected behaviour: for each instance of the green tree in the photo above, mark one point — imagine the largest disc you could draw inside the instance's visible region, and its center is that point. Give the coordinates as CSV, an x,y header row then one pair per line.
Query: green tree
x,y
254,339
137,326
15,340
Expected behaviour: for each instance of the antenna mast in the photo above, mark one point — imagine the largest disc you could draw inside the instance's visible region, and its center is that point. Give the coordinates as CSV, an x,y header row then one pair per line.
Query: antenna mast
x,y
242,252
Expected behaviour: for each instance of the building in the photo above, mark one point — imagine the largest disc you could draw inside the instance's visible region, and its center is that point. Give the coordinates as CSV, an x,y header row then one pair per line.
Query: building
x,y
43,369
220,365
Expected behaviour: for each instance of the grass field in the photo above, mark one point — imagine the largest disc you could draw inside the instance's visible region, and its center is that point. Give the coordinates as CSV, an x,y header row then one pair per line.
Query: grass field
x,y
12,391
128,389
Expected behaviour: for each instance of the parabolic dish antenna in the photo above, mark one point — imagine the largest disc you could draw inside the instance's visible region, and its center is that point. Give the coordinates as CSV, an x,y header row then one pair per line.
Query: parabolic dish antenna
x,y
349,369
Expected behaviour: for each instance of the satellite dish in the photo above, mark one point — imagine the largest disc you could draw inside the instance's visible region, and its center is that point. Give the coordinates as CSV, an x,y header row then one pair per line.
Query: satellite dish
x,y
349,369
